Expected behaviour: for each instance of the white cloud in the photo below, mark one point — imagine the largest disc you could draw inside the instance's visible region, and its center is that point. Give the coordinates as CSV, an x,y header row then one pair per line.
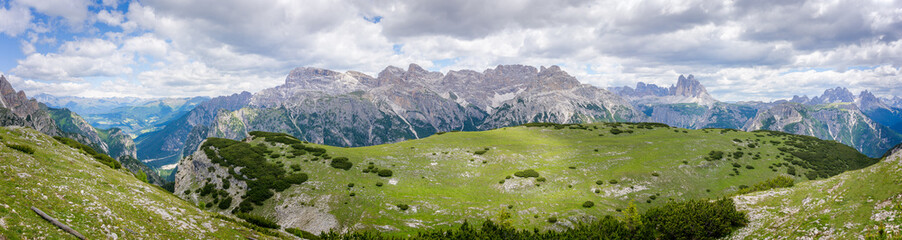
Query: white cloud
x,y
14,20
739,49
75,60
74,11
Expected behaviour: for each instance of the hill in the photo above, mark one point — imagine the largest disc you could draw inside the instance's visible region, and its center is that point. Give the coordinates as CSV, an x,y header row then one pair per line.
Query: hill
x,y
532,172
852,205
97,201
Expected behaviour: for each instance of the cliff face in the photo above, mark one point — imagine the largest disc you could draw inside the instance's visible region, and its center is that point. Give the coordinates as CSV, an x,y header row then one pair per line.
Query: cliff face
x,y
353,109
17,110
844,123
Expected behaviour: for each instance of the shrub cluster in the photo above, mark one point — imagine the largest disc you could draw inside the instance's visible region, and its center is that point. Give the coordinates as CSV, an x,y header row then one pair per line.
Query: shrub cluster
x,y
714,155
825,158
302,234
21,148
258,220
694,219
527,173
777,182
100,157
588,204
341,163
262,177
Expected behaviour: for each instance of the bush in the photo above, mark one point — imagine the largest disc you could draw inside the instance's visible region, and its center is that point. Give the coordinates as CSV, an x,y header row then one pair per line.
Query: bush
x,y
527,173
341,163
350,185
599,182
21,148
695,219
258,220
714,155
588,204
655,174
749,167
552,220
100,157
403,207
616,131
225,203
613,181
541,179
776,182
480,152
302,234
378,184
385,173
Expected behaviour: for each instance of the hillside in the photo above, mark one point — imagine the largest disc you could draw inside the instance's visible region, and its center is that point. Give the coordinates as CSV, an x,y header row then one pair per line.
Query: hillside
x,y
852,205
444,179
97,201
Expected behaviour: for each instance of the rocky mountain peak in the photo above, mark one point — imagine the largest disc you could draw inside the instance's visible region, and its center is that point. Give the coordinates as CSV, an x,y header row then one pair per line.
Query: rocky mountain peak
x,y
797,99
835,95
688,87
867,101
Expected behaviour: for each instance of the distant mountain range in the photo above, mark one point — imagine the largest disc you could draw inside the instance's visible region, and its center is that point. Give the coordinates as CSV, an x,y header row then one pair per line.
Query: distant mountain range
x,y
17,110
865,122
355,109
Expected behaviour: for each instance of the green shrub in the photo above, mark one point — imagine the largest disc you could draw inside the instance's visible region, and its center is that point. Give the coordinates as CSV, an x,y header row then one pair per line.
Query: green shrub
x,y
257,220
655,174
714,219
225,203
540,179
341,163
21,148
613,181
588,204
100,157
350,185
385,173
296,167
714,155
552,220
736,165
378,184
302,234
403,207
599,182
749,167
480,152
616,131
527,173
776,182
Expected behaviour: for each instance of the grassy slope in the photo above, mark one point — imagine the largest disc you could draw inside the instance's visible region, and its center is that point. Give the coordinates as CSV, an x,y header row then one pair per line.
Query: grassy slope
x,y
444,182
93,199
847,206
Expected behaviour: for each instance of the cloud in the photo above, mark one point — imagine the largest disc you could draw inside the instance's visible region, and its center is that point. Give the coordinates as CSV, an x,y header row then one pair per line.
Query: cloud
x,y
14,20
738,49
74,11
75,60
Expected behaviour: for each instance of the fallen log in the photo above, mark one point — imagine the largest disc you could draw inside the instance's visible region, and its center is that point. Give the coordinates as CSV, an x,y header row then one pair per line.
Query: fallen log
x,y
58,223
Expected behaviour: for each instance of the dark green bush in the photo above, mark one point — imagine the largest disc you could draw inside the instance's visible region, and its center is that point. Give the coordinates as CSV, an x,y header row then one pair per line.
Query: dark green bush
x,y
552,220
588,204
302,234
341,163
21,148
258,220
527,173
350,185
655,174
599,182
616,131
540,179
714,155
378,184
403,207
749,167
776,182
385,173
613,181
480,152
737,165
100,157
225,203
695,219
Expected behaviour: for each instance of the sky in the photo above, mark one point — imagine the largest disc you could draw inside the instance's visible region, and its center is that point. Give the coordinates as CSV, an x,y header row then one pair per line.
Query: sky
x,y
739,50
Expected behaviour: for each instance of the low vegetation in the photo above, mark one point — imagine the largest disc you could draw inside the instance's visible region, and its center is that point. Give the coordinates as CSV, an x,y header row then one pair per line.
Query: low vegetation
x,y
693,219
100,157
